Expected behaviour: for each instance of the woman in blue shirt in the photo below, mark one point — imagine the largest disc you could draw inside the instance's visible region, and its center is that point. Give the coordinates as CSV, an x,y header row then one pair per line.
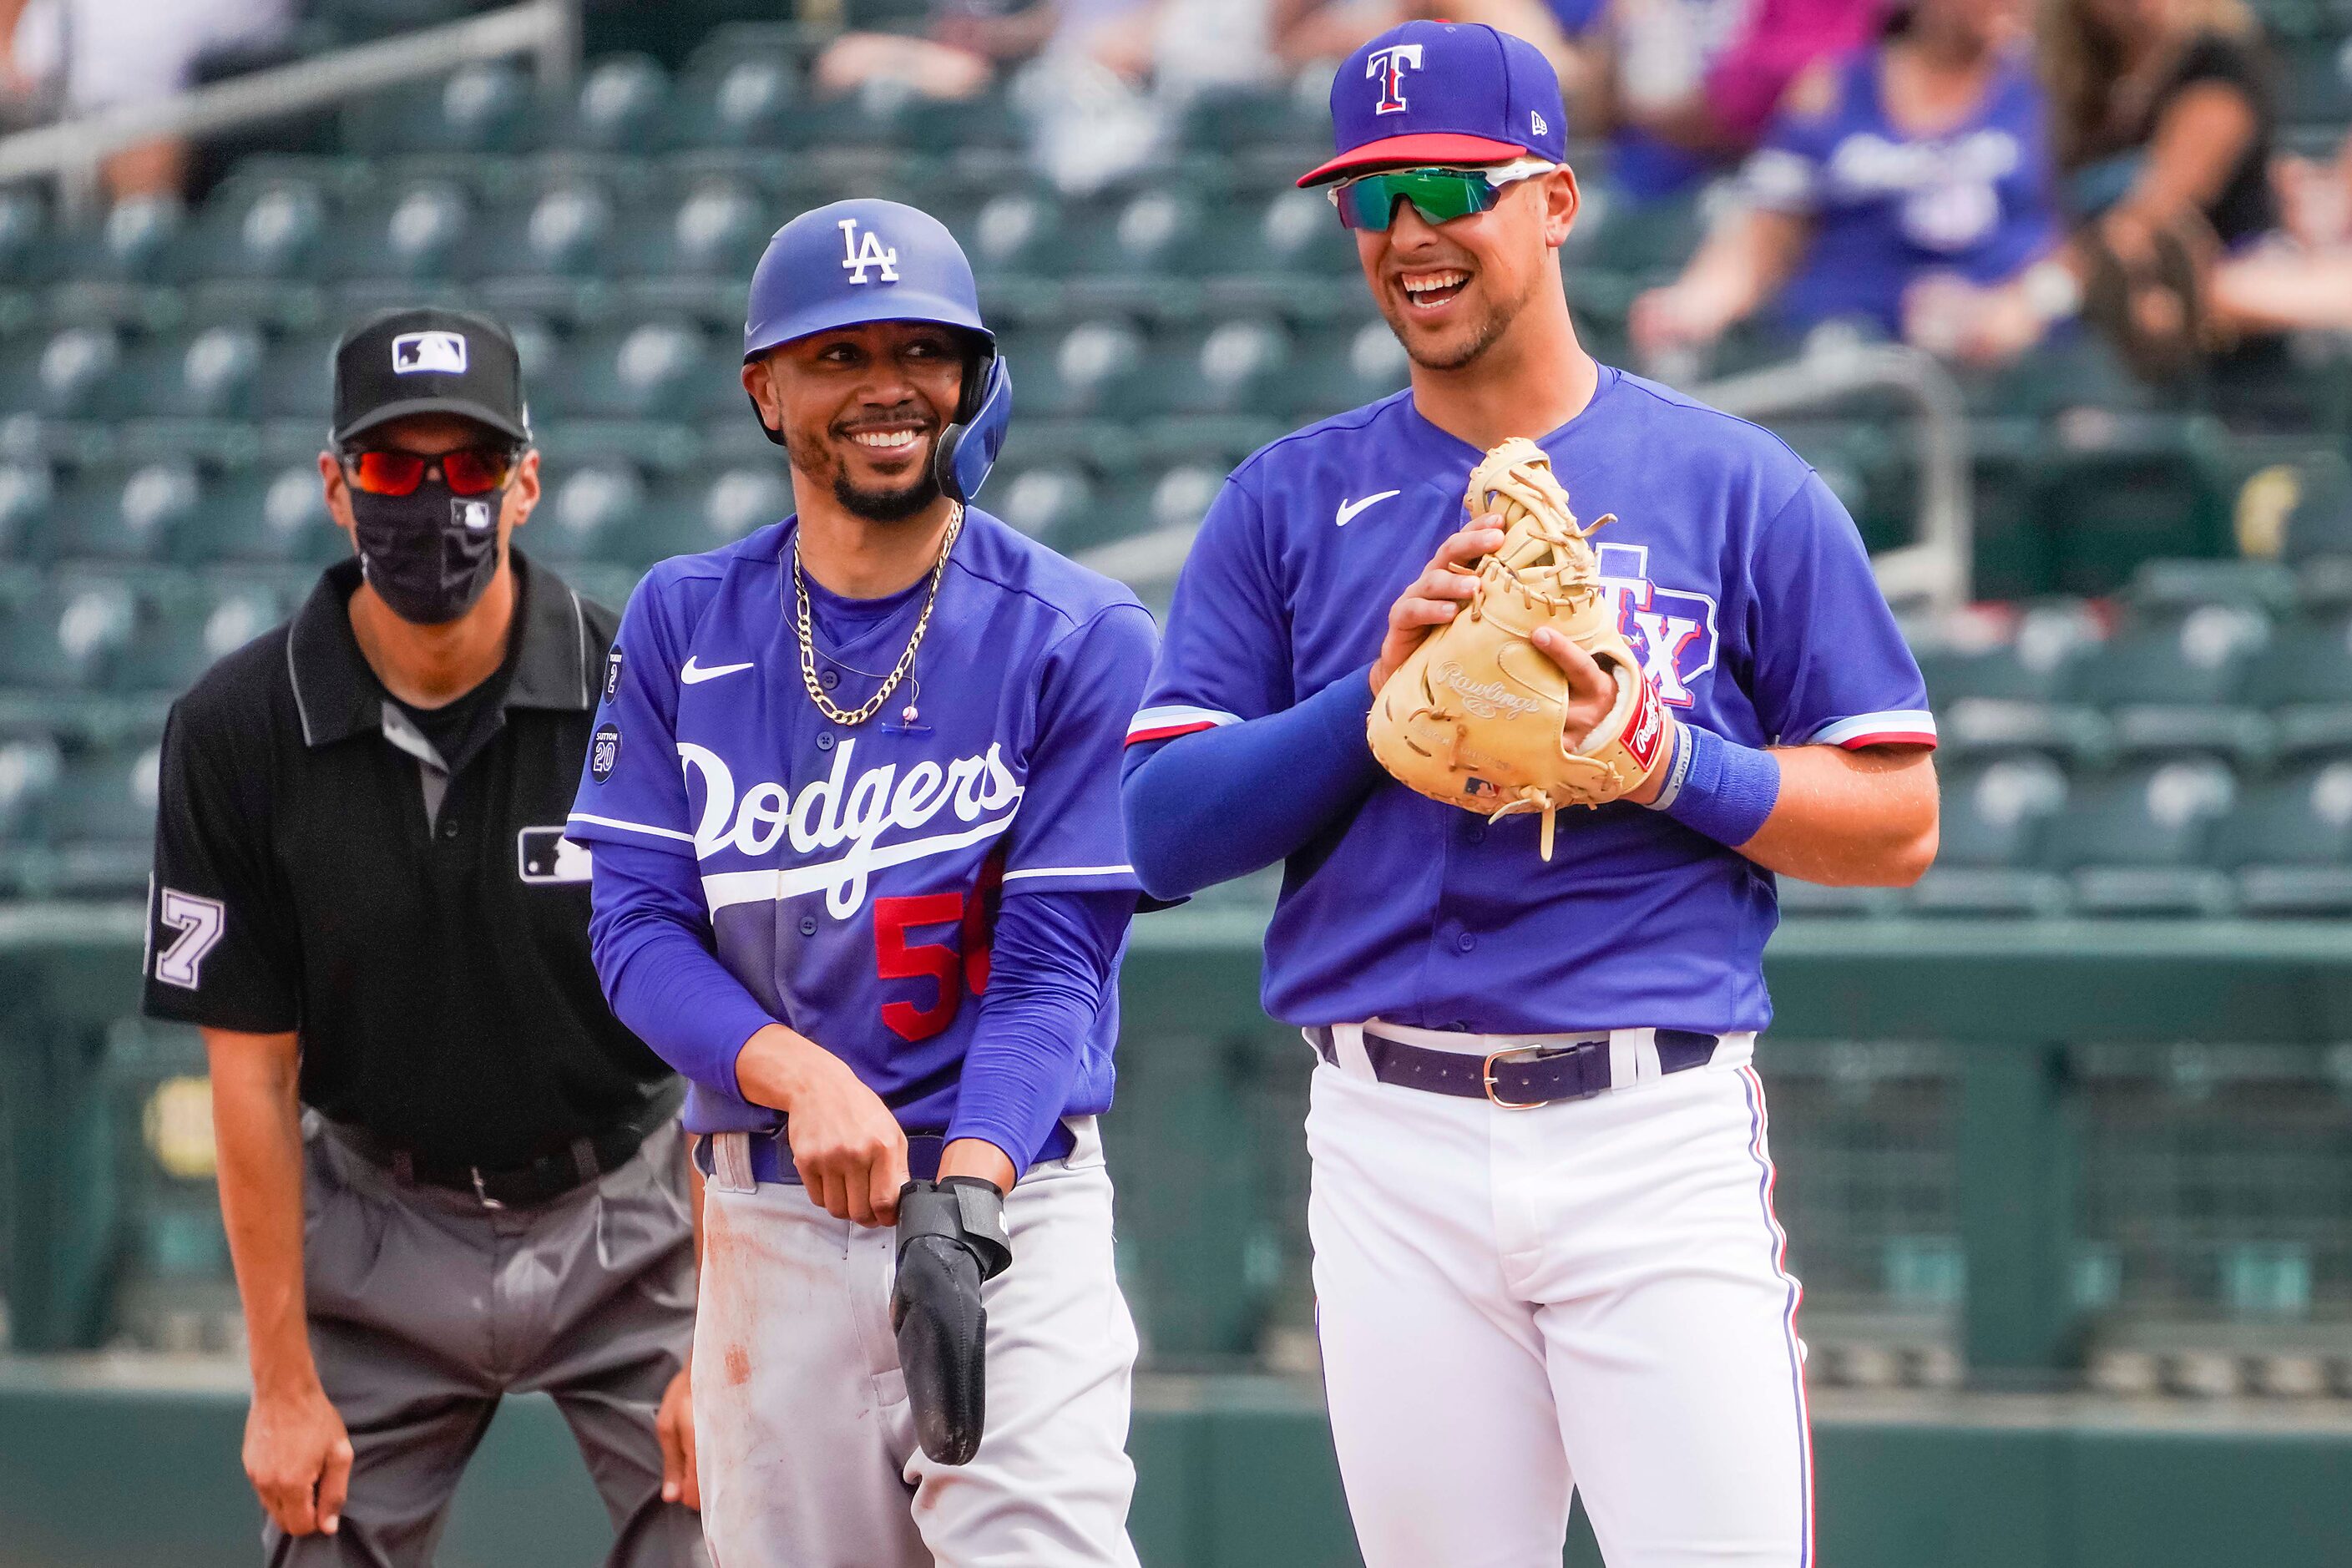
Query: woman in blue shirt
x,y
1908,185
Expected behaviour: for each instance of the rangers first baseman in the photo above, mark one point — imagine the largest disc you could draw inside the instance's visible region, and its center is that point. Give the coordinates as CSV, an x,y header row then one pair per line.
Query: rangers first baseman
x,y
860,877
1546,1258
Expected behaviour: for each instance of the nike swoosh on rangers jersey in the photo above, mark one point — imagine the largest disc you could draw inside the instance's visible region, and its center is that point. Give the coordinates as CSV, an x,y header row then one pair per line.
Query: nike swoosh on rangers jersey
x,y
695,675
1349,509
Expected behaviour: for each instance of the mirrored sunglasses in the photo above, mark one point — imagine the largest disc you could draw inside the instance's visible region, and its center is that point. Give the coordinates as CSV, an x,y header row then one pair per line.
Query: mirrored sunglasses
x,y
1440,196
469,471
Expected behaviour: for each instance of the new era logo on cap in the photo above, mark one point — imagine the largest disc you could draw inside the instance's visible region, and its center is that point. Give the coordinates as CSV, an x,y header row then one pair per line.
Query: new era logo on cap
x,y
437,354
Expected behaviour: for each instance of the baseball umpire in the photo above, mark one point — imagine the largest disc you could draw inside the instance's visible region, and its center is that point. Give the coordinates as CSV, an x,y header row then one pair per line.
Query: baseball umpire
x,y
447,1173
1545,1254
854,792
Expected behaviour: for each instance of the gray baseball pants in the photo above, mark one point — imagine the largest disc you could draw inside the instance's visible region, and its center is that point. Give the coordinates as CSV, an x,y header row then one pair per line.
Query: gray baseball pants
x,y
426,1308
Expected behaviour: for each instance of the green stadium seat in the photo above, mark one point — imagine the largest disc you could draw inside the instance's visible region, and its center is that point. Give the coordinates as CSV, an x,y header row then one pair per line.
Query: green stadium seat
x,y
621,106
2134,842
24,221
1046,501
1993,819
64,638
652,370
984,123
1345,367
1175,497
2305,679
414,232
1089,370
208,375
563,231
124,514
175,638
2169,682
296,380
2290,844
272,515
29,765
1016,234
588,515
1234,367
740,102
1240,119
66,374
692,512
25,490
2175,587
2116,489
130,245
101,816
481,108
1133,237
256,230
718,232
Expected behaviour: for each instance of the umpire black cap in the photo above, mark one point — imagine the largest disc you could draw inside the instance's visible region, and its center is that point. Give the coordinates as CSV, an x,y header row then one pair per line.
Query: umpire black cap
x,y
426,360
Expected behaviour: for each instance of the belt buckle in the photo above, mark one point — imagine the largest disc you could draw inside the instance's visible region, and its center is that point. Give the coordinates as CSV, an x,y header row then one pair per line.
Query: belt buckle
x,y
482,1192
1486,1077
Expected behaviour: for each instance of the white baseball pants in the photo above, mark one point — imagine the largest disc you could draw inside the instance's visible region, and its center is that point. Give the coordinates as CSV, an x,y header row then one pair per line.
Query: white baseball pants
x,y
807,1451
1518,1305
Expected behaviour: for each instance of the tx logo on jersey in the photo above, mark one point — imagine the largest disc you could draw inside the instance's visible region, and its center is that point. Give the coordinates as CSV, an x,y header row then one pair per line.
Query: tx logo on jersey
x,y
1671,630
862,250
844,813
1388,67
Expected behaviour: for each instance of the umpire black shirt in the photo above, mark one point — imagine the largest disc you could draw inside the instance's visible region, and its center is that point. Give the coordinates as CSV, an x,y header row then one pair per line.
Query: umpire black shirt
x,y
420,920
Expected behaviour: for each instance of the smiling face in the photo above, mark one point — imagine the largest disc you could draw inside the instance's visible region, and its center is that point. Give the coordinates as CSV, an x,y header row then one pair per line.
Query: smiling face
x,y
861,410
1451,290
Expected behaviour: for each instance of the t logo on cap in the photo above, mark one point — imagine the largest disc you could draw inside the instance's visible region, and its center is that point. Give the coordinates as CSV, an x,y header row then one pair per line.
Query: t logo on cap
x,y
860,251
1387,67
437,354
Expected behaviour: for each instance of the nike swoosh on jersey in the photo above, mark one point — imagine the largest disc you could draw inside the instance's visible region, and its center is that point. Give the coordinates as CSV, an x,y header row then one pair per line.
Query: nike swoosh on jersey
x,y
1349,509
695,675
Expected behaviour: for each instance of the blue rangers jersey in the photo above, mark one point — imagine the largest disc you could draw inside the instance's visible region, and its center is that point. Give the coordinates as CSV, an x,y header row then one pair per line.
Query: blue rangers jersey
x,y
1739,581
851,872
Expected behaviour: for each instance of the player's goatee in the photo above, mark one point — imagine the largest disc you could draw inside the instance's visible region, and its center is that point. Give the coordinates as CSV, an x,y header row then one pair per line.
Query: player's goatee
x,y
815,457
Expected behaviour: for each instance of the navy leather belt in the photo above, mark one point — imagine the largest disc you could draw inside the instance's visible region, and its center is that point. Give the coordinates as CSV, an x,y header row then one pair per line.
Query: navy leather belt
x,y
1517,1078
772,1155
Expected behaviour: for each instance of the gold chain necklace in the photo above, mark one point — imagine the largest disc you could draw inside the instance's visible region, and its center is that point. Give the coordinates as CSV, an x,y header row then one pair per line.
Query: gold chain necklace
x,y
873,704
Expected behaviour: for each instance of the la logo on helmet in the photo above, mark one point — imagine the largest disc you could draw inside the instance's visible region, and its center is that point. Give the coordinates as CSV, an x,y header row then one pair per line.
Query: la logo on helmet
x,y
1388,67
862,251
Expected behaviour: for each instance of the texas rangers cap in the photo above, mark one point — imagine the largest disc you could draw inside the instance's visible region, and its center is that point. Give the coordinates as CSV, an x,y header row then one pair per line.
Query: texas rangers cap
x,y
1443,92
427,359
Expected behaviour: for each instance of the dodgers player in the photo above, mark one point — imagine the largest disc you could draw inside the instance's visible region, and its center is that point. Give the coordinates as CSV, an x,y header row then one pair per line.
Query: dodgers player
x,y
1545,1252
859,876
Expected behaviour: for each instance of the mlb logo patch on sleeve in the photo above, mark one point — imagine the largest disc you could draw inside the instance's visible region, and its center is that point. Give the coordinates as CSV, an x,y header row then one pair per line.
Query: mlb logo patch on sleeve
x,y
433,354
543,855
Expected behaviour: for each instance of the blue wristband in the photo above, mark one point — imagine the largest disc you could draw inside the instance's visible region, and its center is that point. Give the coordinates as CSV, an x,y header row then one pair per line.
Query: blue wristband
x,y
1718,787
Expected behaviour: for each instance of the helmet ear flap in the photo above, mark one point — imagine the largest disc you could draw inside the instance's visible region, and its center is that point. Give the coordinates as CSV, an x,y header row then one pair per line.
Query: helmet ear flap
x,y
967,450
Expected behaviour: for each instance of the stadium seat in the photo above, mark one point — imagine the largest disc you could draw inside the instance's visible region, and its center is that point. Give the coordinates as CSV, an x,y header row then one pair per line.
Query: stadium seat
x,y
1238,119
175,638
744,101
1016,234
2171,681
1344,367
1045,501
1176,497
1234,367
102,815
29,765
2289,843
692,512
413,232
24,492
111,513
588,515
130,245
563,231
208,375
718,231
481,108
2116,489
274,515
1994,815
2304,678
67,374
2134,842
1133,238
64,638
620,107
1091,369
296,378
652,370
23,223
262,229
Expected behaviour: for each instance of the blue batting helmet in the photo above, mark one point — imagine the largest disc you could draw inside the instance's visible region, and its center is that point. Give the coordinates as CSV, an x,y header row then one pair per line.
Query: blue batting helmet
x,y
870,261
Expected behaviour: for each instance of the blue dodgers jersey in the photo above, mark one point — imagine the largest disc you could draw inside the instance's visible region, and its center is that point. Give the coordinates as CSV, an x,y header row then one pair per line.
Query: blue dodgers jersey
x,y
1738,579
1889,206
851,872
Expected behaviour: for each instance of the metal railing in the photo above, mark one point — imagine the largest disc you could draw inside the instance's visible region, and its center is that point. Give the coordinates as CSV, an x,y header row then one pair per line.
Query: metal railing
x,y
71,150
1938,568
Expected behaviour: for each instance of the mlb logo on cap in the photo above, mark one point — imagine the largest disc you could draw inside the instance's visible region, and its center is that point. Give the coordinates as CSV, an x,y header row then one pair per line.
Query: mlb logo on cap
x,y
437,354
1443,92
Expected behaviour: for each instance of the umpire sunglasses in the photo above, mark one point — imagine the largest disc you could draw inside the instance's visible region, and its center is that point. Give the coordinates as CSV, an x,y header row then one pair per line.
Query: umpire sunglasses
x,y
469,471
1441,196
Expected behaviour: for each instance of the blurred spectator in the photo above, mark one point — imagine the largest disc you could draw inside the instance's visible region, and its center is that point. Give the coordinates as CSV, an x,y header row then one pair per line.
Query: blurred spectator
x,y
2165,120
85,57
1907,185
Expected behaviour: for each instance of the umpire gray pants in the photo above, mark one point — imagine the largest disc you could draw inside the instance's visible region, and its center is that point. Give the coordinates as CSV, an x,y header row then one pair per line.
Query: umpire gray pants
x,y
426,1308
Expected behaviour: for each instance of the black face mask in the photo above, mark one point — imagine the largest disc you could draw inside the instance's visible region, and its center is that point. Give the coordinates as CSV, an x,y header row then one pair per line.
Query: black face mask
x,y
431,553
